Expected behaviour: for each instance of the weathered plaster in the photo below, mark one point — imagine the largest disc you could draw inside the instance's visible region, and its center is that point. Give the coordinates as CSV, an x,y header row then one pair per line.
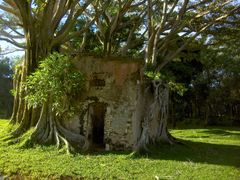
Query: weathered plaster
x,y
114,83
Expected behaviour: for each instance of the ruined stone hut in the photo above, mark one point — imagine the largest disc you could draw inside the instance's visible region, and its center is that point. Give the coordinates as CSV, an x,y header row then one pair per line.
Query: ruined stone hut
x,y
108,118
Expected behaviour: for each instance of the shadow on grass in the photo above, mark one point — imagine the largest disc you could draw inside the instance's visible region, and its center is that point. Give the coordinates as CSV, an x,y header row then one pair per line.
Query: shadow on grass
x,y
220,132
198,152
217,132
210,128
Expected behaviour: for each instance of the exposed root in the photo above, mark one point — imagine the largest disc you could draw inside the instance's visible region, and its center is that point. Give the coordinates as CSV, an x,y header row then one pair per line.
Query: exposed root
x,y
66,143
77,141
48,130
175,140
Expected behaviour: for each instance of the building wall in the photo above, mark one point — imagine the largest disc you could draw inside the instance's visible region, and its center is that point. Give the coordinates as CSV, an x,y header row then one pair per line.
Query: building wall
x,y
113,83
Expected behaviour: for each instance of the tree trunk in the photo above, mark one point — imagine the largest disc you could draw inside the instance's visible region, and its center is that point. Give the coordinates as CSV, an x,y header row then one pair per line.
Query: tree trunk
x,y
155,98
16,88
22,114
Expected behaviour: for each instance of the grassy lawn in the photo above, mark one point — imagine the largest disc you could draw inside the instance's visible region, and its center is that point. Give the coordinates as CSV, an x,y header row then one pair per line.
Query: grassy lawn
x,y
207,154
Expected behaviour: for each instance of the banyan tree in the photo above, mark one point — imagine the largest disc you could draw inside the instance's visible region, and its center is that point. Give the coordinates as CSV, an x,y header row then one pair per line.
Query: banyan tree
x,y
154,31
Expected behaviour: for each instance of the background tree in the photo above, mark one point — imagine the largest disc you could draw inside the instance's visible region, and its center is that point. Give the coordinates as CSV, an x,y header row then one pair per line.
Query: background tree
x,y
6,76
209,99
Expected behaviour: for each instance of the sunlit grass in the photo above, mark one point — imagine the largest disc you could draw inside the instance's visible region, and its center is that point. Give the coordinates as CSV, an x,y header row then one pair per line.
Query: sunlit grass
x,y
207,154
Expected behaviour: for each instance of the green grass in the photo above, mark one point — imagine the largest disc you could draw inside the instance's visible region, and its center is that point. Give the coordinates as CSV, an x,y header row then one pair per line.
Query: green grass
x,y
207,154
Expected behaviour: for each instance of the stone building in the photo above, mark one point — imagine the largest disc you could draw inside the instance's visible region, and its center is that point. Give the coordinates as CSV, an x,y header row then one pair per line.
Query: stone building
x,y
109,106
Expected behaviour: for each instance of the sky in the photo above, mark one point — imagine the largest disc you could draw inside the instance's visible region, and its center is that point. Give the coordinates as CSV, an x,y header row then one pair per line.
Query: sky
x,y
4,45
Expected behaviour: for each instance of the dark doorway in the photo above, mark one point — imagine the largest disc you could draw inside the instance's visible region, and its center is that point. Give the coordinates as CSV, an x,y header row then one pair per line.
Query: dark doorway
x,y
98,111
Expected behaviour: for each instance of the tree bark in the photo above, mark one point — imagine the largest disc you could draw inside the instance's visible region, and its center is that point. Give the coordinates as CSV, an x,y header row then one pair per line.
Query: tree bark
x,y
155,98
16,89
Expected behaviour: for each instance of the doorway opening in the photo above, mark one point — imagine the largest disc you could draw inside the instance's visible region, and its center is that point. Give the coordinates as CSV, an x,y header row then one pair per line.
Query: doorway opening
x,y
98,111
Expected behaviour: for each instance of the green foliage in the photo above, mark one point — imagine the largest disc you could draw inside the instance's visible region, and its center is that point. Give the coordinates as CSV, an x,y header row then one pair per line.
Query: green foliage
x,y
6,75
57,82
153,75
178,88
205,151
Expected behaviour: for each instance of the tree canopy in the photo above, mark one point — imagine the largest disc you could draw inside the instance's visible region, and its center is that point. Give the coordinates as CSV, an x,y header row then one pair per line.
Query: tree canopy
x,y
158,29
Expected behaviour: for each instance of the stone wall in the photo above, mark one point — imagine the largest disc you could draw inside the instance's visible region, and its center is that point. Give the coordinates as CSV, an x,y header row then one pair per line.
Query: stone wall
x,y
113,84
